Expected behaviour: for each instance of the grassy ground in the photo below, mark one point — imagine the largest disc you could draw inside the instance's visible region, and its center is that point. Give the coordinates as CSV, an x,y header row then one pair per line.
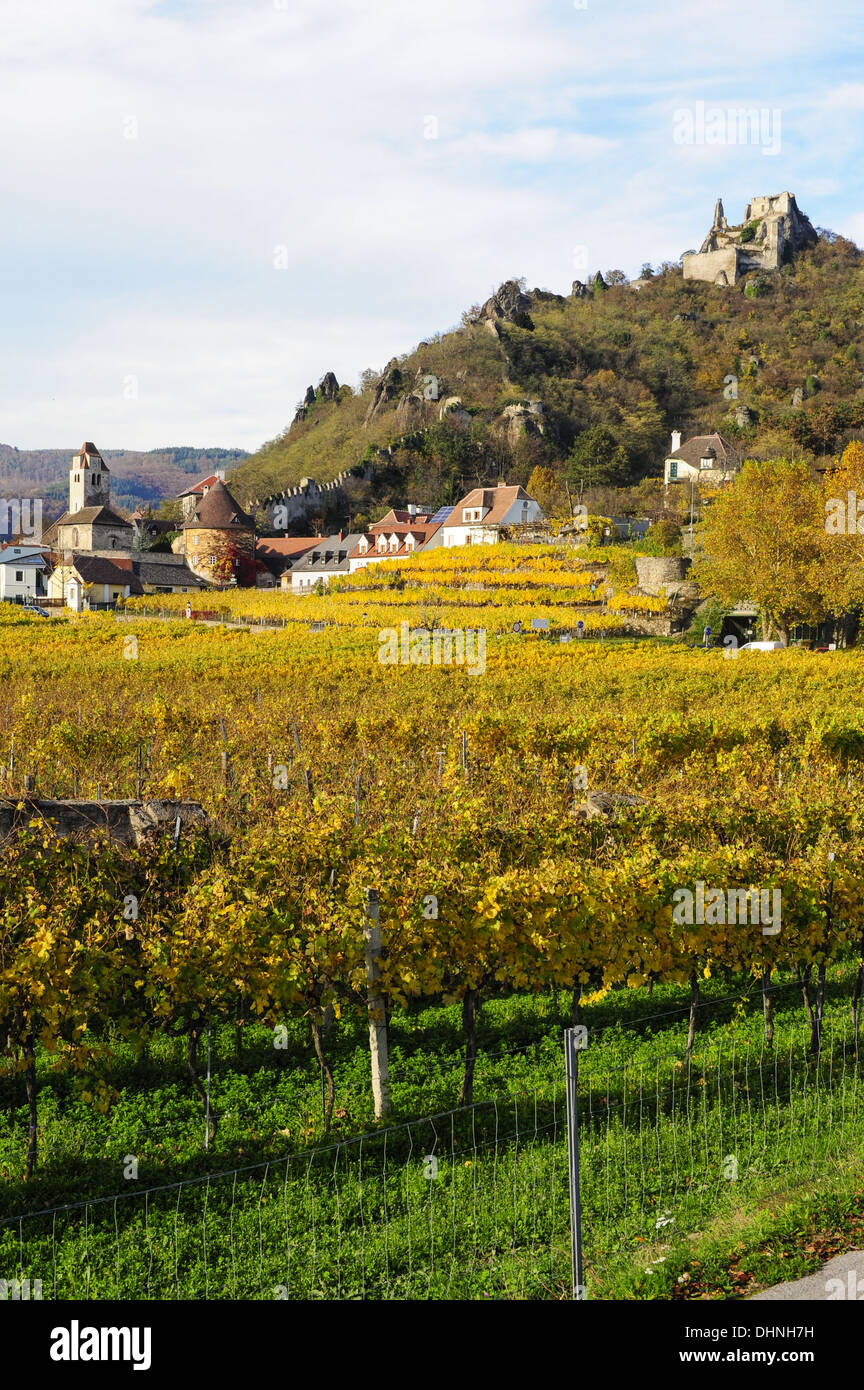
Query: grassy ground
x,y
698,1179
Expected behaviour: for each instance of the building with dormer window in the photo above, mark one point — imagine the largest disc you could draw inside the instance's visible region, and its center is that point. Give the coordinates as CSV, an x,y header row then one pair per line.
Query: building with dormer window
x,y
482,515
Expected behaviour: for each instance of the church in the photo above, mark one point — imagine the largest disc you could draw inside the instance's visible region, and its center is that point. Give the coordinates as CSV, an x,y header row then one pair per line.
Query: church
x,y
90,524
97,553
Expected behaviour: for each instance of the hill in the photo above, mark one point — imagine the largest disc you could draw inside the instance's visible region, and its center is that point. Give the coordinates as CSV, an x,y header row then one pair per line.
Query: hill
x,y
591,384
136,478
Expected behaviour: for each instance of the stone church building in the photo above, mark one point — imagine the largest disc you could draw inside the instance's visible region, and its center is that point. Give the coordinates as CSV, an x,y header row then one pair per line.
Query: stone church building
x,y
90,524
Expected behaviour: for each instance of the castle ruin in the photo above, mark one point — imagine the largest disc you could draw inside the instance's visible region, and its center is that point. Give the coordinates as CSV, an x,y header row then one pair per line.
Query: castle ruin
x,y
772,230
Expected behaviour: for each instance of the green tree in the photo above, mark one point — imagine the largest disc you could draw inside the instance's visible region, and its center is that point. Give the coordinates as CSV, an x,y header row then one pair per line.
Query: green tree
x,y
596,458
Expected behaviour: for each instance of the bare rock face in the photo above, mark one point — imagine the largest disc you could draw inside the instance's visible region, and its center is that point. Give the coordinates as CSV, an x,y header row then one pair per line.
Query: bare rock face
x,y
413,412
508,303
389,385
580,290
329,387
453,410
518,419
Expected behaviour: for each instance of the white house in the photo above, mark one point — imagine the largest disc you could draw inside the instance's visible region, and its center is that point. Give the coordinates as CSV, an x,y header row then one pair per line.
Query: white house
x,y
21,572
483,514
705,456
328,560
397,536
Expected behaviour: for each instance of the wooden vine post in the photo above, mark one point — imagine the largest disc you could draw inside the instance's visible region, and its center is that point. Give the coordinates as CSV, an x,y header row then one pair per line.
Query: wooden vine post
x,y
376,1008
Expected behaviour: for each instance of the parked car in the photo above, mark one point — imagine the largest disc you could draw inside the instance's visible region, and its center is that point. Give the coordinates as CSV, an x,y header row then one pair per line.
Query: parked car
x,y
754,647
34,608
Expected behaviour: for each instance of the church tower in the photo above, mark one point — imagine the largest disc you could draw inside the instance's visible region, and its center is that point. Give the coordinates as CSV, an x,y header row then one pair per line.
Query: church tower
x,y
89,479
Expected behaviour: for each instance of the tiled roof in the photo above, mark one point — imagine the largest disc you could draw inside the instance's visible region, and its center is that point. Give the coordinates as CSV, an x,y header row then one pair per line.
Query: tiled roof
x,y
90,516
421,535
697,448
219,511
329,554
197,489
93,569
498,500
177,576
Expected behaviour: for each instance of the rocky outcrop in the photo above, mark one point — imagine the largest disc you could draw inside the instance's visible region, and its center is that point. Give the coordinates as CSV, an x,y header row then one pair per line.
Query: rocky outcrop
x,y
329,388
580,290
520,419
509,302
413,411
388,387
453,410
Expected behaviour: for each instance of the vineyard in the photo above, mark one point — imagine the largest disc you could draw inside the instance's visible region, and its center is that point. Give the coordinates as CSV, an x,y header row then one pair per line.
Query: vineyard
x,y
509,901
510,583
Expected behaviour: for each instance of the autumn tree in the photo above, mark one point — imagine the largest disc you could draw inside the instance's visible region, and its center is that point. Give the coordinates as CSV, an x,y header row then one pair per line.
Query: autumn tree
x,y
843,512
762,540
547,487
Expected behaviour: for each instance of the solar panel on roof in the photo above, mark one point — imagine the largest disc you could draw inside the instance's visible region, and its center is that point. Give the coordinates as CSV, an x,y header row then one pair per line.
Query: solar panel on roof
x,y
442,514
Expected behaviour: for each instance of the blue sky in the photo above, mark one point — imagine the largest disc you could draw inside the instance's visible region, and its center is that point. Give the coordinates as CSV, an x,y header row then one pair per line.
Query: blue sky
x,y
209,205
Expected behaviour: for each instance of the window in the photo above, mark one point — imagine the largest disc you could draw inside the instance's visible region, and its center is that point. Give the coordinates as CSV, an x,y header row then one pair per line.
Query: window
x,y
673,470
194,540
212,559
19,576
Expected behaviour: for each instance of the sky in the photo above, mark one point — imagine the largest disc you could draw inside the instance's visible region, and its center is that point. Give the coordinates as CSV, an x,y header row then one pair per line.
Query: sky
x,y
207,205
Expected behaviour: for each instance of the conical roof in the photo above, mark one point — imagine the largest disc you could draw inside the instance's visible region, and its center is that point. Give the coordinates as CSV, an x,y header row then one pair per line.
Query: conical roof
x,y
219,511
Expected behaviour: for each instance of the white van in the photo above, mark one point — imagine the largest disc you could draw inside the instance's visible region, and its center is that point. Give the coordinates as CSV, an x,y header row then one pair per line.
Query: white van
x,y
755,647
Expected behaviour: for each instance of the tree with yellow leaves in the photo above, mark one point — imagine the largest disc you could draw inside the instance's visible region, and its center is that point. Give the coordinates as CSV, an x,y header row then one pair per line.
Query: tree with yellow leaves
x,y
763,540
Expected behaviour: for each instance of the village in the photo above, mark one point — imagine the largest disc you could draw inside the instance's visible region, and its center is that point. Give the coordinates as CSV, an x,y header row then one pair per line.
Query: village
x,y
94,556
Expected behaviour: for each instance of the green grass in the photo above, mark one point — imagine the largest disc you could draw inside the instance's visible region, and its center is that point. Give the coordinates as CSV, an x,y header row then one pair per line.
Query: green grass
x,y
683,1167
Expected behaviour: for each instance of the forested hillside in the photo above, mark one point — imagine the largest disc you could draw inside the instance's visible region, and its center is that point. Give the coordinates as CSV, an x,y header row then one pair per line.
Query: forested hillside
x,y
592,383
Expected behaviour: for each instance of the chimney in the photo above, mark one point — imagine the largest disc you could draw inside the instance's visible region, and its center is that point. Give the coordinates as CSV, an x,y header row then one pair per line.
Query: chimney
x,y
676,441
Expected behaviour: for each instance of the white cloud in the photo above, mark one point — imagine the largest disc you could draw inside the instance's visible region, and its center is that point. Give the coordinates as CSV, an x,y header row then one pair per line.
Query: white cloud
x,y
302,127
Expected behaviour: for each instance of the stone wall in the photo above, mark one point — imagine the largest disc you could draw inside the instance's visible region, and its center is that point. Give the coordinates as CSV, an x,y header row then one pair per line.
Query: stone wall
x,y
299,503
128,821
654,572
711,266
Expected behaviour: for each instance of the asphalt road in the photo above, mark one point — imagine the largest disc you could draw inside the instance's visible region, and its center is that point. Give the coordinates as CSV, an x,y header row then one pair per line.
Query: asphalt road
x,y
840,1280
